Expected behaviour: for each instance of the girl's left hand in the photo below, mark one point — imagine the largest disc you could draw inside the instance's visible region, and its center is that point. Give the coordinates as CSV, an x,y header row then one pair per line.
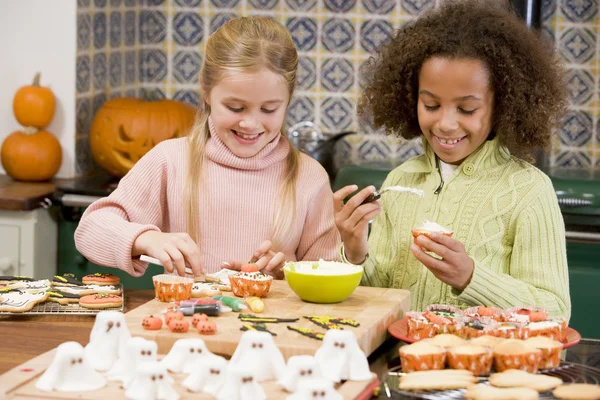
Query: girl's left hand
x,y
267,260
455,268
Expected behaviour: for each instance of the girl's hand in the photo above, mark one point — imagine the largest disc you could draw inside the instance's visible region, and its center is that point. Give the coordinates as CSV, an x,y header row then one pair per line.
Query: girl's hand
x,y
352,220
174,250
267,260
455,268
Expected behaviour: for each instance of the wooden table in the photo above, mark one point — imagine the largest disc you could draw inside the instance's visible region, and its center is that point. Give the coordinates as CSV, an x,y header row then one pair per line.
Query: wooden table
x,y
23,337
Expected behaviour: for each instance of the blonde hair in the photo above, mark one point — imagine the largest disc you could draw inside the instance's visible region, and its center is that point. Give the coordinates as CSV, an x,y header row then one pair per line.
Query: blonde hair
x,y
244,45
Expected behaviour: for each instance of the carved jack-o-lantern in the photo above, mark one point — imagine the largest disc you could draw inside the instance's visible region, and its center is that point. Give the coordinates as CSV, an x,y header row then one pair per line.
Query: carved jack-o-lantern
x,y
125,129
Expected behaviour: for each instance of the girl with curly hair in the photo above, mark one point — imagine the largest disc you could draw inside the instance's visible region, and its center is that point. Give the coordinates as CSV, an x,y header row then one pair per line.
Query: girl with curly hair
x,y
484,92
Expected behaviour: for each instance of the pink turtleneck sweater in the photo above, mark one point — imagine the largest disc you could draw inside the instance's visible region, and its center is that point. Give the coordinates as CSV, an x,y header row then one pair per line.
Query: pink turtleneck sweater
x,y
236,210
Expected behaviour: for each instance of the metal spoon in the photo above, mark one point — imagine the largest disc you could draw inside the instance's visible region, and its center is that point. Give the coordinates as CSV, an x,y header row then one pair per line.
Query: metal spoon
x,y
376,195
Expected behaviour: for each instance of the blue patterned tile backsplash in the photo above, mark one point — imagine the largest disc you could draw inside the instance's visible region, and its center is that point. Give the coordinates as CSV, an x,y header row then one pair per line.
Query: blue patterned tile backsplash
x,y
155,48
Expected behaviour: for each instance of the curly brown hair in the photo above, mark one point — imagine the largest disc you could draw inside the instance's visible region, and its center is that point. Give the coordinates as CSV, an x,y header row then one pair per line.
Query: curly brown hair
x,y
525,75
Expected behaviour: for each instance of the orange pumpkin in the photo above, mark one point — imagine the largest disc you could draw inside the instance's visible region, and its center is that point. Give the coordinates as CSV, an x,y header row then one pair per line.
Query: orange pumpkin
x,y
538,316
176,315
34,105
31,155
206,328
152,323
179,325
249,268
197,318
486,311
125,129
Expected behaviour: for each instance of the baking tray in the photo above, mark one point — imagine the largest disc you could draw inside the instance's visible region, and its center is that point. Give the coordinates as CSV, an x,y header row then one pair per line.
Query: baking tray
x,y
51,307
569,372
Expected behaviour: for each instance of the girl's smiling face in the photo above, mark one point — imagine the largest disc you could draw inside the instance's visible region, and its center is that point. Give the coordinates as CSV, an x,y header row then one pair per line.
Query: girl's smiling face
x,y
455,106
248,110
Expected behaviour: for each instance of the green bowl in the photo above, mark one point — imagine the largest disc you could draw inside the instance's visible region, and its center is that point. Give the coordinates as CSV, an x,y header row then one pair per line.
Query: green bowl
x,y
322,281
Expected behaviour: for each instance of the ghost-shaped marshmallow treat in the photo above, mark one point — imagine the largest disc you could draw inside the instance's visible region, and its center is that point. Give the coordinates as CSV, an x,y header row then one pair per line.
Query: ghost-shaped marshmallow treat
x,y
70,371
316,389
184,354
151,382
107,340
299,369
340,357
137,350
241,384
257,351
208,375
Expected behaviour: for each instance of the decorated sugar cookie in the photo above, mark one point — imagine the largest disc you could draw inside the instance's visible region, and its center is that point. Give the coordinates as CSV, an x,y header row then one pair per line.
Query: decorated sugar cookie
x,y
20,300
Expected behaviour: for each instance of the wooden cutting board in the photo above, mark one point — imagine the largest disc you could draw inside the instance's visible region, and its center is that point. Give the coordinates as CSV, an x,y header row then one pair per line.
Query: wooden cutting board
x,y
374,308
19,384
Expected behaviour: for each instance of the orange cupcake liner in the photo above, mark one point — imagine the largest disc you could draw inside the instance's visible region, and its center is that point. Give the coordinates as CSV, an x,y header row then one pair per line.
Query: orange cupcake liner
x,y
478,364
550,358
416,233
244,287
169,288
553,333
527,361
425,362
418,329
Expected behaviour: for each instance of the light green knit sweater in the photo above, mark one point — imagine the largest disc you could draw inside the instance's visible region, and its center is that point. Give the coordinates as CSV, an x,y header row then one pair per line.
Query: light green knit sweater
x,y
502,209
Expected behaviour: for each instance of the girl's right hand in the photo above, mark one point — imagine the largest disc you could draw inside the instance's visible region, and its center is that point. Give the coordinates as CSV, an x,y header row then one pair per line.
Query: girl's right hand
x,y
174,250
352,220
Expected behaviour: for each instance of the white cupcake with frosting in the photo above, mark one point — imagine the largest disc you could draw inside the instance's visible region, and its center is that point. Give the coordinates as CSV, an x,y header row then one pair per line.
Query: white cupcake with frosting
x,y
428,227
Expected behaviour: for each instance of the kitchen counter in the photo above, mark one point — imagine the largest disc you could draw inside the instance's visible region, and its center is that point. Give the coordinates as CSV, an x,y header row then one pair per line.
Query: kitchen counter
x,y
24,196
26,336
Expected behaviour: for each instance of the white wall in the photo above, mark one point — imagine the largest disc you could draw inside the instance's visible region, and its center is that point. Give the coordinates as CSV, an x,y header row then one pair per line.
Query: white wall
x,y
40,35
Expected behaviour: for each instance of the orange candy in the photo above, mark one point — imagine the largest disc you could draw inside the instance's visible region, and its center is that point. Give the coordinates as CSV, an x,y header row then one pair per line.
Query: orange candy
x,y
249,268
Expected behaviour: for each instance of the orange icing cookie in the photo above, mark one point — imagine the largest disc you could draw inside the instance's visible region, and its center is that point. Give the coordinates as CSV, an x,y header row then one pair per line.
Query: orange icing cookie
x,y
101,279
101,300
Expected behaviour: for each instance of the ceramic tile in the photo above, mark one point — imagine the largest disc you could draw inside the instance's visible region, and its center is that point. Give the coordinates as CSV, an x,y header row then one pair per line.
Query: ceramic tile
x,y
155,47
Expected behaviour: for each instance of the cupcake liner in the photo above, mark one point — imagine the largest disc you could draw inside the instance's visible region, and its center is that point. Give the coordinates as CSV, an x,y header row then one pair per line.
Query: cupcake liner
x,y
552,333
169,288
419,328
550,354
563,328
478,363
513,310
418,232
516,332
469,328
516,354
445,308
422,362
245,287
527,362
